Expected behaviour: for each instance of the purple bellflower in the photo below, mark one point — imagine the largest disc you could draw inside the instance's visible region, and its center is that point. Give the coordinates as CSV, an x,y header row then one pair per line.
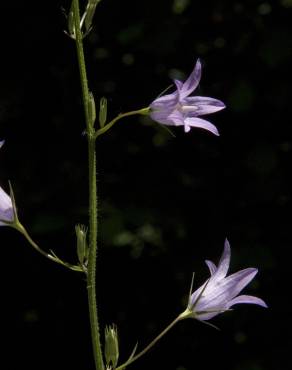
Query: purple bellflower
x,y
180,109
220,292
6,206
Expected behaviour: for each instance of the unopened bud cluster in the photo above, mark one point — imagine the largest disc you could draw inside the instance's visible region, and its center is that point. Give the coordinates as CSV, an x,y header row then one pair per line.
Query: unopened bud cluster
x,y
111,350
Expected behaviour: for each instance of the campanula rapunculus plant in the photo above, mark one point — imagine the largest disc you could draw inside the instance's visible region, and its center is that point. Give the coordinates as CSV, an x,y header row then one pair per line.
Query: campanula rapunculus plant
x,y
6,207
181,109
220,292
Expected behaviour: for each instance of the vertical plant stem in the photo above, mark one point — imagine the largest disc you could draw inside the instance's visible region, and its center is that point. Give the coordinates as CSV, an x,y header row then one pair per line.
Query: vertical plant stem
x,y
91,277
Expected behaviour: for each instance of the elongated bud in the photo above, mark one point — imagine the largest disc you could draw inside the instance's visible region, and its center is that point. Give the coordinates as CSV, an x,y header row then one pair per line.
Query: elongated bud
x,y
71,25
111,350
102,111
82,248
91,109
89,14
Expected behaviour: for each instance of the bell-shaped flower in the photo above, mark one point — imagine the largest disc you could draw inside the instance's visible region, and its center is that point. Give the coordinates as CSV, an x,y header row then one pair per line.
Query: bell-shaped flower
x,y
220,292
6,208
6,205
180,109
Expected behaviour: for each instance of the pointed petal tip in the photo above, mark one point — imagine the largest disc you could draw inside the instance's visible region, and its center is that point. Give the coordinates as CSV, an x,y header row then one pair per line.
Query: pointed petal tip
x,y
226,244
227,248
263,303
216,133
211,265
198,63
219,103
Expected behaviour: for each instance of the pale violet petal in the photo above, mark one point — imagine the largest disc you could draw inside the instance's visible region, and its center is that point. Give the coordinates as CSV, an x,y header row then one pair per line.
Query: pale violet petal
x,y
1,143
172,118
192,81
201,123
6,208
247,299
212,267
165,101
176,118
178,84
204,105
220,291
204,100
224,261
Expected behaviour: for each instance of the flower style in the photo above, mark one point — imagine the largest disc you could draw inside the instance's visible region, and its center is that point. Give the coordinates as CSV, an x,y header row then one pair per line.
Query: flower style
x,y
180,109
6,207
220,292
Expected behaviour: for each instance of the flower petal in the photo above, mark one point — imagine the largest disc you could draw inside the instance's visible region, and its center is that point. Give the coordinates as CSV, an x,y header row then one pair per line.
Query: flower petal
x,y
165,101
220,291
192,82
212,267
178,84
172,118
247,299
6,209
227,288
201,123
176,118
204,105
224,261
1,143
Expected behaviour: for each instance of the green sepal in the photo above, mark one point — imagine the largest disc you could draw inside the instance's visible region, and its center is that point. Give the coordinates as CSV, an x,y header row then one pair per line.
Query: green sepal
x,y
133,352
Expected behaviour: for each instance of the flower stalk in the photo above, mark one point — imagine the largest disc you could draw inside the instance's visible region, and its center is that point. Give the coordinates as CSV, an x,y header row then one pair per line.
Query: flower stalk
x,y
151,344
91,276
102,130
51,256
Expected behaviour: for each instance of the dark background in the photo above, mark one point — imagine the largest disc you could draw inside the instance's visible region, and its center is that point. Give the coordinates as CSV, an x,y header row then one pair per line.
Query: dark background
x,y
166,203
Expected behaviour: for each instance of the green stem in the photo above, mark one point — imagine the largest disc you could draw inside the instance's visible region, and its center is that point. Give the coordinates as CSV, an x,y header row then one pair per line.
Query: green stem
x,y
143,111
91,276
151,344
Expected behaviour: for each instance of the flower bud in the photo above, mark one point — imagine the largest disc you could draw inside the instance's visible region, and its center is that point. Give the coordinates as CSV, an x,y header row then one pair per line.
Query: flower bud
x,y
91,109
82,248
102,111
89,14
71,24
111,346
